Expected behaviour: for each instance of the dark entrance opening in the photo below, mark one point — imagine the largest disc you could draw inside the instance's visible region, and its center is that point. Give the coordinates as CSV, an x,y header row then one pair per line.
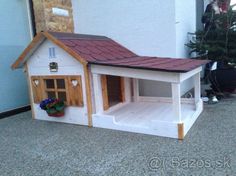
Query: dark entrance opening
x,y
114,91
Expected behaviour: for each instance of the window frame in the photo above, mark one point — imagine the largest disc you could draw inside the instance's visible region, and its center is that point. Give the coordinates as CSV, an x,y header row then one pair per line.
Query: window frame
x,y
56,90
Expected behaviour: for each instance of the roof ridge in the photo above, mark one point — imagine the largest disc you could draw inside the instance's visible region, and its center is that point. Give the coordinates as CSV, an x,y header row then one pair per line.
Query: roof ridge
x,y
67,38
74,36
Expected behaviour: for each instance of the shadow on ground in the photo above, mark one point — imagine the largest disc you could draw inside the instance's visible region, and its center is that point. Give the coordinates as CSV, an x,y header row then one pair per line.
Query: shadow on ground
x,y
31,147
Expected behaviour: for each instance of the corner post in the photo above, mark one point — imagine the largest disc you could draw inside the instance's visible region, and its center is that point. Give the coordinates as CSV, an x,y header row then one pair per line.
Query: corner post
x,y
197,89
88,94
98,93
135,90
176,100
30,90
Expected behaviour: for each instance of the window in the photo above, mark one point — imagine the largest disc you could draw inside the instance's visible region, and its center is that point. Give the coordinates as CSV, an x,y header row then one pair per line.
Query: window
x,y
56,88
66,88
52,53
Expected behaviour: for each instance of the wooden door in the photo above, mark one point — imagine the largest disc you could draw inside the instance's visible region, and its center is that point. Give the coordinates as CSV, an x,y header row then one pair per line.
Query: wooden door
x,y
112,90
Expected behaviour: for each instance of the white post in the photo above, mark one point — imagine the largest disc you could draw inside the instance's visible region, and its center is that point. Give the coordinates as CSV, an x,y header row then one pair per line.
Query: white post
x,y
197,89
98,93
135,89
176,100
128,96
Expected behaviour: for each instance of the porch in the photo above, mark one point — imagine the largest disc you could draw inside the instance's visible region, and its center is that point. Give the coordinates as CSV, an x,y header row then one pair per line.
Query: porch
x,y
154,118
162,116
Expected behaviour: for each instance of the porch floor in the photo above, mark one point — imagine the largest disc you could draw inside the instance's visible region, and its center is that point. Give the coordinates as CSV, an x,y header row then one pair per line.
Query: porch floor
x,y
141,114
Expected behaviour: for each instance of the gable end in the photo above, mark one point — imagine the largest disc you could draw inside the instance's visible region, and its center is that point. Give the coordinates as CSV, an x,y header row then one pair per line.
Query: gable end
x,y
34,45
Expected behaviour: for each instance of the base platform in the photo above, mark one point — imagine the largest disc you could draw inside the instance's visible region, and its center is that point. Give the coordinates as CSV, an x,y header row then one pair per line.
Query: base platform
x,y
155,118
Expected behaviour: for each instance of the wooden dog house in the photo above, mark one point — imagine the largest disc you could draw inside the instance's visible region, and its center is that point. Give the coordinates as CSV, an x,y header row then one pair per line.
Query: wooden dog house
x,y
99,81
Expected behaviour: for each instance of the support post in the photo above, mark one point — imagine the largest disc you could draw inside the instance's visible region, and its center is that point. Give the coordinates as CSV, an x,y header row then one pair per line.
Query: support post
x,y
135,90
176,100
30,91
98,93
88,95
197,89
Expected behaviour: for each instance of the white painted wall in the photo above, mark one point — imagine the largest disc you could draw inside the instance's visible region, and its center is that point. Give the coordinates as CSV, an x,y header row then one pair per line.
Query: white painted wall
x,y
38,65
186,17
145,27
152,28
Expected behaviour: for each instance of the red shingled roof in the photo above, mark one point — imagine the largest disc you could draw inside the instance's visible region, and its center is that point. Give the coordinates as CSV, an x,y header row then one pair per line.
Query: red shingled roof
x,y
104,51
94,48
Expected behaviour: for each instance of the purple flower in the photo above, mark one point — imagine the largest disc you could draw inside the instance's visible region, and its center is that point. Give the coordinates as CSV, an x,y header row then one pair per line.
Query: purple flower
x,y
44,103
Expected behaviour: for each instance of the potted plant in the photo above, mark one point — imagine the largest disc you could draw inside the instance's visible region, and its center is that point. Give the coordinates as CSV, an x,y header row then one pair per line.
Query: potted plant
x,y
218,42
53,107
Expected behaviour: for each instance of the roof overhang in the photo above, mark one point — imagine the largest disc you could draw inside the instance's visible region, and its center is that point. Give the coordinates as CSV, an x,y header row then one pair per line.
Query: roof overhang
x,y
152,75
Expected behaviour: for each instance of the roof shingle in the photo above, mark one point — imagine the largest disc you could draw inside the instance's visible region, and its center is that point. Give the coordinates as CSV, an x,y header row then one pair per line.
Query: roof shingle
x,y
104,51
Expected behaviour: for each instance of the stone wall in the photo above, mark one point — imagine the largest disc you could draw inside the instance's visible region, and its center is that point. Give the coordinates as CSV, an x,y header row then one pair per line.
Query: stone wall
x,y
53,15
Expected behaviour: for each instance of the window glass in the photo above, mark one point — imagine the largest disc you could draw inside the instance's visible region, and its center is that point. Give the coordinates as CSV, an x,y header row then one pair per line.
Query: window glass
x,y
50,83
62,96
61,84
51,94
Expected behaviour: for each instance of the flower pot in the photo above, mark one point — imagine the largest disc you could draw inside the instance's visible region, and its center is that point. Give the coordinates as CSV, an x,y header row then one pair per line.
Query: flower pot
x,y
56,114
53,107
57,111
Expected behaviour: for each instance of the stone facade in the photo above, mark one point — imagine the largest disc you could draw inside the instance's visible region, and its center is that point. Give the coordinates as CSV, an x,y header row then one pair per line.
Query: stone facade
x,y
59,20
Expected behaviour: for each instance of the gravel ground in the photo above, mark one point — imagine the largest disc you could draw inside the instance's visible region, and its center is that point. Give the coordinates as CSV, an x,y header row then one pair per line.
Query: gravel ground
x,y
31,147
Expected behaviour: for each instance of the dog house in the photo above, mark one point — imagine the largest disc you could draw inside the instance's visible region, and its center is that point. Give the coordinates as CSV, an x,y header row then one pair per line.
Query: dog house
x,y
98,79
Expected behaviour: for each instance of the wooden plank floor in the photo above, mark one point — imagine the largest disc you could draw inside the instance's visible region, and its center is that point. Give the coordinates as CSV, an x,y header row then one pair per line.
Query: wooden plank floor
x,y
143,113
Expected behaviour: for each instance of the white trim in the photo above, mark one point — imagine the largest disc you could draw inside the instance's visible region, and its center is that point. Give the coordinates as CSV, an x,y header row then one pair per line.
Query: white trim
x,y
190,121
115,107
136,73
165,100
187,75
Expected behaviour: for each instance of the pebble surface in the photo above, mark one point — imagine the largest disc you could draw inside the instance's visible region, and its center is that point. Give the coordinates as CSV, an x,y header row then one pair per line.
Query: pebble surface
x,y
39,148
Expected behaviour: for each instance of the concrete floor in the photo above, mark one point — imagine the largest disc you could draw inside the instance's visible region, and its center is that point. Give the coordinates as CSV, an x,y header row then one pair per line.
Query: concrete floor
x,y
30,147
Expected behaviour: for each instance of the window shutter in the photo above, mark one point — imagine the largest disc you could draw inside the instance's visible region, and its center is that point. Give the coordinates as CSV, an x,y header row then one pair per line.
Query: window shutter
x,y
74,86
37,88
